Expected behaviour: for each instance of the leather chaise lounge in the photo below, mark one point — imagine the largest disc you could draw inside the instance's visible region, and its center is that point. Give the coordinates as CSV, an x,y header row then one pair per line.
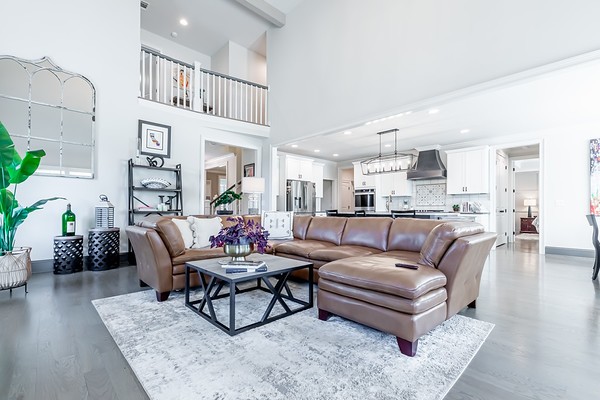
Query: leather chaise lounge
x,y
358,278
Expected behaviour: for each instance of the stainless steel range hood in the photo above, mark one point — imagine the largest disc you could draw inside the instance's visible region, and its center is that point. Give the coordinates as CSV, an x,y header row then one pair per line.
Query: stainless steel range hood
x,y
428,166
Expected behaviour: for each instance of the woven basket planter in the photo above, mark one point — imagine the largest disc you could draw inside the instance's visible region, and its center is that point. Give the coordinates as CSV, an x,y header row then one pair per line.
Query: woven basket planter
x,y
15,268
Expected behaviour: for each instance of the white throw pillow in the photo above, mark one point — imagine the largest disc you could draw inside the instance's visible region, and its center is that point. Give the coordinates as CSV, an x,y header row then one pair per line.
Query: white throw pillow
x,y
279,224
186,231
203,228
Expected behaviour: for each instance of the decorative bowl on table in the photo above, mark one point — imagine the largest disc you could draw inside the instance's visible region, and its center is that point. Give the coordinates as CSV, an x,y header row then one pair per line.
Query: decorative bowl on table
x,y
155,183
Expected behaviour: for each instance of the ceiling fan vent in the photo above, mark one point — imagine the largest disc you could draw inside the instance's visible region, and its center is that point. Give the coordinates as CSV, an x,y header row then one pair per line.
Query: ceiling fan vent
x,y
144,4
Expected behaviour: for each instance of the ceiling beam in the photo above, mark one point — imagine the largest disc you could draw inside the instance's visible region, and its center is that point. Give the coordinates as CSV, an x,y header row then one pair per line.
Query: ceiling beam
x,y
265,11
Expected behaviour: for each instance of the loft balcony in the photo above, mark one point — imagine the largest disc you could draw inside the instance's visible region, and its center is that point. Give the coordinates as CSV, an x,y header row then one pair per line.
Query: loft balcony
x,y
173,82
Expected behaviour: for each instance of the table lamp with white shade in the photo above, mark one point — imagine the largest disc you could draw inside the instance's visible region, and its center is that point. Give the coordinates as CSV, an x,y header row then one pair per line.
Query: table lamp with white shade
x,y
254,187
528,203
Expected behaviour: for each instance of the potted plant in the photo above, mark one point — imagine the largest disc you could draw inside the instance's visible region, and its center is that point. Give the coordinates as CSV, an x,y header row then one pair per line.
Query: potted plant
x,y
240,239
226,198
15,264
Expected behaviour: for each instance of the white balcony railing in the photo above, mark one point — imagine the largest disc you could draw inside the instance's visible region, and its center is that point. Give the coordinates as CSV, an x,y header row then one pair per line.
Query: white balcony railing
x,y
169,81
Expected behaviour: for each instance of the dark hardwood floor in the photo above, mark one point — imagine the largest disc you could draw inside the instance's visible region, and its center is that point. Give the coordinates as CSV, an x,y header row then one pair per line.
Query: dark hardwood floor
x,y
546,343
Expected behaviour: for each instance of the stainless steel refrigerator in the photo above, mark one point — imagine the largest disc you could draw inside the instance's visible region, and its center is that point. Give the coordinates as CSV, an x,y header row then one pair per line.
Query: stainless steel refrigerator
x,y
300,197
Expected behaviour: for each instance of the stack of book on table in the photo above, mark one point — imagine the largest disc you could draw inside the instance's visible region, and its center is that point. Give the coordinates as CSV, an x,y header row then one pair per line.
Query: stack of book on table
x,y
243,266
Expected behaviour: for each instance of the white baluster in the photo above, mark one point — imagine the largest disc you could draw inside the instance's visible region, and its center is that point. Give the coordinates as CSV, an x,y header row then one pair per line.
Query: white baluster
x,y
143,79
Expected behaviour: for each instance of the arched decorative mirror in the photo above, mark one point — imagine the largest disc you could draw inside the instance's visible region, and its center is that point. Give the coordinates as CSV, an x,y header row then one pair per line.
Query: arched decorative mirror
x,y
45,107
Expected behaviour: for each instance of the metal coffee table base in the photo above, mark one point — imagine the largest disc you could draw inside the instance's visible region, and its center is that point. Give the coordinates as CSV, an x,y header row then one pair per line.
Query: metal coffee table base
x,y
212,287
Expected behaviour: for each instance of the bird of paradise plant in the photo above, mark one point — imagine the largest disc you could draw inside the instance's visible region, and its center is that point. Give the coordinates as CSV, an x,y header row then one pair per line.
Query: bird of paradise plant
x,y
14,170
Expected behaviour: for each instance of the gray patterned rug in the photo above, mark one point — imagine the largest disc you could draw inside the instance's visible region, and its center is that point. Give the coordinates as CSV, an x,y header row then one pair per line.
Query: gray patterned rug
x,y
177,355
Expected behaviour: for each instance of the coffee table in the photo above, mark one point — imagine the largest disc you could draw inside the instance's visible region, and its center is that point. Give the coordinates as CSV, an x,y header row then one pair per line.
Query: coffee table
x,y
275,281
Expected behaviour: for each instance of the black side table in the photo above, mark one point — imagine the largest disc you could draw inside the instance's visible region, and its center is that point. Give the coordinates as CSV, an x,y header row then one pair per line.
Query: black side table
x,y
68,254
103,249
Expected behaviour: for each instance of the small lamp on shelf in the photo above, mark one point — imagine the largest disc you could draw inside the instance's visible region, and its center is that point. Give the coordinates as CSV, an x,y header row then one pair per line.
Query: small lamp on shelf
x,y
528,203
105,213
254,187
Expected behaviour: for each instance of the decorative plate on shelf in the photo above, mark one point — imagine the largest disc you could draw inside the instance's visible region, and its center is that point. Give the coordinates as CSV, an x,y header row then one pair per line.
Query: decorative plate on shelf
x,y
155,183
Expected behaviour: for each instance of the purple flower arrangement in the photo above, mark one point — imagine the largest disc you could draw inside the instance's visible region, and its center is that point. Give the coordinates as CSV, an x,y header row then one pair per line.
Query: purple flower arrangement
x,y
241,233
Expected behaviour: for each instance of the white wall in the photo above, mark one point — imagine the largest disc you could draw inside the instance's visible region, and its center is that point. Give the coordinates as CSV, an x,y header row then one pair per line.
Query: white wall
x,y
339,62
77,36
174,50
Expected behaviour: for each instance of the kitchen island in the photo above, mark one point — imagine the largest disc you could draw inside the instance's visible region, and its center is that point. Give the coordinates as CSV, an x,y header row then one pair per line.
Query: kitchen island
x,y
420,214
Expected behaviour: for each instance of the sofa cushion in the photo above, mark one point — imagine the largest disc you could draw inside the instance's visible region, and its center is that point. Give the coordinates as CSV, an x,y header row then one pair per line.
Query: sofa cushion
x,y
186,231
379,274
300,226
302,248
338,252
369,232
327,229
203,229
441,237
170,235
393,302
410,233
401,256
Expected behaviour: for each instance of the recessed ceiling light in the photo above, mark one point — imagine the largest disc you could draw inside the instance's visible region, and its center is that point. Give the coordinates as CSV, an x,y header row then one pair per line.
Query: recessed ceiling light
x,y
348,133
317,150
387,145
335,154
368,123
174,34
183,22
434,111
465,131
294,145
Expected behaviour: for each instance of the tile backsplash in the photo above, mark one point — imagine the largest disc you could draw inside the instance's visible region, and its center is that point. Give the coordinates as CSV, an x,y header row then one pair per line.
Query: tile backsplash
x,y
431,194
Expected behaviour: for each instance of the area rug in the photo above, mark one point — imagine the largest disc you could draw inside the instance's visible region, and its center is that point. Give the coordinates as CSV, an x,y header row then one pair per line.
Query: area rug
x,y
528,236
177,355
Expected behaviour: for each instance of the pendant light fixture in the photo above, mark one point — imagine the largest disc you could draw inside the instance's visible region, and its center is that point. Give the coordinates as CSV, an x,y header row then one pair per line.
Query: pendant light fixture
x,y
386,163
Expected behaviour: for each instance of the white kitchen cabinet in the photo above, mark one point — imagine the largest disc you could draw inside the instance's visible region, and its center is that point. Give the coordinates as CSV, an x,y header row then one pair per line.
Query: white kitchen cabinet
x,y
317,178
363,181
394,184
468,171
298,168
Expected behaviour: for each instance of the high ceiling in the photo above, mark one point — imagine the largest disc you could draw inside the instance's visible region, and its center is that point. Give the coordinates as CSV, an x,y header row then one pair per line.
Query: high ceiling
x,y
562,98
211,23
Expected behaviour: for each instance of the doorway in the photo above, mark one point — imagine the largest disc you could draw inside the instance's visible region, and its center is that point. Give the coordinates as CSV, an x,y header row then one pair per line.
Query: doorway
x,y
224,168
518,189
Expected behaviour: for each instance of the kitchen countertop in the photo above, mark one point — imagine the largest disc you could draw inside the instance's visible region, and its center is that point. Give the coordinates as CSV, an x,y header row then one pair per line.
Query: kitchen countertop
x,y
418,213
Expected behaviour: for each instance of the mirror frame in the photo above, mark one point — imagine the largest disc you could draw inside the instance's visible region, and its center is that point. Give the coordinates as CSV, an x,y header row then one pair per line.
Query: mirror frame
x,y
32,67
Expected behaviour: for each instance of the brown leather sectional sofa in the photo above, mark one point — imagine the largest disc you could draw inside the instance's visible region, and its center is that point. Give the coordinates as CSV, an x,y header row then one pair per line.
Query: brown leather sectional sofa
x,y
161,254
358,279
354,262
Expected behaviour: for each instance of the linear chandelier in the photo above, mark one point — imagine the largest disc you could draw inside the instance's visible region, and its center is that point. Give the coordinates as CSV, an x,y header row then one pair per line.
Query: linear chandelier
x,y
386,163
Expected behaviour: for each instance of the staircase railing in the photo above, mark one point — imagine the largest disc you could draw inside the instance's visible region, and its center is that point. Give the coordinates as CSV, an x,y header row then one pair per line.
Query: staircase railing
x,y
173,82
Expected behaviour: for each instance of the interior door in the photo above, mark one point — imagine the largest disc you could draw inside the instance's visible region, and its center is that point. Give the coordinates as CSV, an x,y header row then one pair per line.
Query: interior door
x,y
502,214
347,196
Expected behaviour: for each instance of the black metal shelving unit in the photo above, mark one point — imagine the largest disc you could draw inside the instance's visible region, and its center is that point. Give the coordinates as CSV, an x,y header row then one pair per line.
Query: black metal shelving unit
x,y
137,199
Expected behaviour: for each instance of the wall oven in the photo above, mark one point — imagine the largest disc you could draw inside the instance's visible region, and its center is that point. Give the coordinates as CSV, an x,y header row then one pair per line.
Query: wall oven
x,y
364,199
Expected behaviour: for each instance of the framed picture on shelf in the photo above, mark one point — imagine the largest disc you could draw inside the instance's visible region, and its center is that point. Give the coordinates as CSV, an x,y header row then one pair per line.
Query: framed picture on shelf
x,y
249,170
154,139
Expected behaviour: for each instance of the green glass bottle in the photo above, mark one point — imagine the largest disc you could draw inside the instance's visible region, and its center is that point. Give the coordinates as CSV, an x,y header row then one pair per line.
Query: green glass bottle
x,y
68,222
